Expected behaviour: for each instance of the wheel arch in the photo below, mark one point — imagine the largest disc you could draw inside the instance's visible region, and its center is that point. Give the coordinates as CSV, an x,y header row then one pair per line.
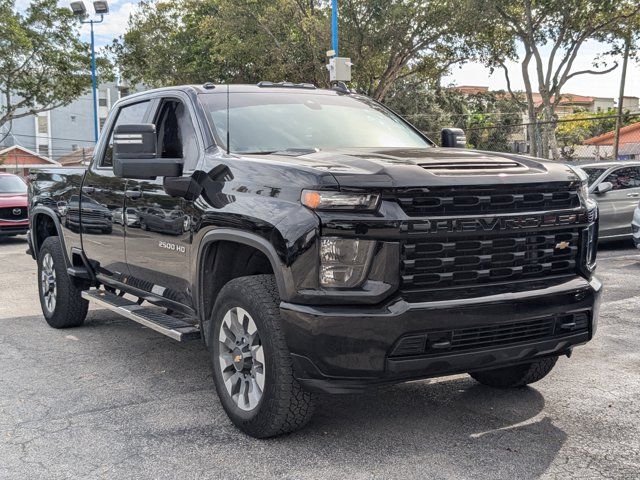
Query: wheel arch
x,y
257,250
44,223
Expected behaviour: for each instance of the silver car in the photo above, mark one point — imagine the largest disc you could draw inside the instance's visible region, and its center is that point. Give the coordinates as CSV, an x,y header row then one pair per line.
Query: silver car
x,y
616,188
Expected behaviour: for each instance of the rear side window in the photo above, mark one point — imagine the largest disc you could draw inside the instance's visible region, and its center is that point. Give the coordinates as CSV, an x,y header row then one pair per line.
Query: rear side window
x,y
623,178
129,114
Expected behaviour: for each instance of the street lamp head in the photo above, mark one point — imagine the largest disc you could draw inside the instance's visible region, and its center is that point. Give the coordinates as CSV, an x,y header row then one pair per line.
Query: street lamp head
x,y
78,9
101,7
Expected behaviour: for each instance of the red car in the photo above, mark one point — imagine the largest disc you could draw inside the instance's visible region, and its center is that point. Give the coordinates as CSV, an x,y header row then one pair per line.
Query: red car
x,y
13,205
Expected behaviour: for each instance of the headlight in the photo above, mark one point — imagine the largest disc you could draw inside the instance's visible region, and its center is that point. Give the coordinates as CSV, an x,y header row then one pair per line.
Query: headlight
x,y
319,200
344,261
592,239
583,189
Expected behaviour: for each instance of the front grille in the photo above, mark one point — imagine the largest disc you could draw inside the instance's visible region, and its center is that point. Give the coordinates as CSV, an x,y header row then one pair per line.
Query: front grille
x,y
492,199
433,262
13,213
494,335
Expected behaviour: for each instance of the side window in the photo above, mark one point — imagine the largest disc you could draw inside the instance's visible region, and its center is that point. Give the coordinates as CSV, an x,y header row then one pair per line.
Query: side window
x,y
176,134
129,114
623,178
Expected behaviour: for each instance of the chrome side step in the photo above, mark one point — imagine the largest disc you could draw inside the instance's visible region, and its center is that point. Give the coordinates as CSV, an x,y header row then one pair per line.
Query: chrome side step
x,y
172,327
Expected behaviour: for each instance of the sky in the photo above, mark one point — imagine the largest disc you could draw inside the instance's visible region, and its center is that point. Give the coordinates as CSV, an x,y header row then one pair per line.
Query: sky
x,y
115,24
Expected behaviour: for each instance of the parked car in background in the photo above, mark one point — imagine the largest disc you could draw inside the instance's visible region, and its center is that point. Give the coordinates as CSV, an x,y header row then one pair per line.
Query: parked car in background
x,y
616,188
13,205
130,218
635,226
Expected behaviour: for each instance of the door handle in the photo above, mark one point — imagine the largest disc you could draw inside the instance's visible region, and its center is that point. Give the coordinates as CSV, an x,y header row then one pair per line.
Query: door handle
x,y
88,189
633,195
133,194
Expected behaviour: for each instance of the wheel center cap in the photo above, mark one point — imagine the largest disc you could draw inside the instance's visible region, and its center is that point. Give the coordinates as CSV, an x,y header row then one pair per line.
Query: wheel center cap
x,y
241,361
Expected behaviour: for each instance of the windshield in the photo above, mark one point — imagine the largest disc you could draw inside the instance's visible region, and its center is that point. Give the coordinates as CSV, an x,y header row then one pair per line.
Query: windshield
x,y
593,173
264,122
11,184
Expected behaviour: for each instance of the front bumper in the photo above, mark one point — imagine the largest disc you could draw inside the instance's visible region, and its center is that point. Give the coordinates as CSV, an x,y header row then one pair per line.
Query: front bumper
x,y
349,348
14,228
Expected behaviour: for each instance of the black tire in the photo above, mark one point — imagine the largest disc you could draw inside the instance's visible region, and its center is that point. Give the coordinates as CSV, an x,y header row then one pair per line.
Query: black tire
x,y
517,375
284,406
70,309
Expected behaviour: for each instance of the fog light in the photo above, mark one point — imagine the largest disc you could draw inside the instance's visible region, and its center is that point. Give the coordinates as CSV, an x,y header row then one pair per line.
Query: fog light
x,y
343,261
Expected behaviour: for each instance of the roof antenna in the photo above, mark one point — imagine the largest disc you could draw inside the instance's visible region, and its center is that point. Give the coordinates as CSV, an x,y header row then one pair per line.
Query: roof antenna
x,y
228,125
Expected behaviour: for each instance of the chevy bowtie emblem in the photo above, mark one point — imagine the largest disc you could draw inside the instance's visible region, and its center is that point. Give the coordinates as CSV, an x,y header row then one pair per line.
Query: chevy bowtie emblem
x,y
17,211
562,245
237,358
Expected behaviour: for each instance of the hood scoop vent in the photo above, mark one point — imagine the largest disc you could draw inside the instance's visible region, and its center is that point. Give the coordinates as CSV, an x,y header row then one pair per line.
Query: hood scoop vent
x,y
474,167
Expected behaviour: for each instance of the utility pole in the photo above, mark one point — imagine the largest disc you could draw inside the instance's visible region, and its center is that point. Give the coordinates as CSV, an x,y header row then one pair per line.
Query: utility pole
x,y
616,140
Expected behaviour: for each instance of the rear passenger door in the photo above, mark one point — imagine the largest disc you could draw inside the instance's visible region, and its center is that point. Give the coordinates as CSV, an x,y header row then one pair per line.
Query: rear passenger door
x,y
158,248
103,194
621,201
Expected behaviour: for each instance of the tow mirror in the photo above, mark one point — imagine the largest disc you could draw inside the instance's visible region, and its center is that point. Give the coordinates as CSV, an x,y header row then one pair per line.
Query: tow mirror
x,y
604,187
453,138
134,154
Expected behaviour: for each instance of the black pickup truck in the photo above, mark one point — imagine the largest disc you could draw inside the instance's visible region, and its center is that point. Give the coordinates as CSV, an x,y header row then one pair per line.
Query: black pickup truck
x,y
317,242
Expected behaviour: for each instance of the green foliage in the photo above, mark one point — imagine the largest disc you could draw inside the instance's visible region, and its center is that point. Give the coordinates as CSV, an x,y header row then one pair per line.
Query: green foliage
x,y
488,118
194,41
574,129
43,63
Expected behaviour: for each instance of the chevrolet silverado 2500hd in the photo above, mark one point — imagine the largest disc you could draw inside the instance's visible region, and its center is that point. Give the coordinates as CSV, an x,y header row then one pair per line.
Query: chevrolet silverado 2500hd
x,y
317,242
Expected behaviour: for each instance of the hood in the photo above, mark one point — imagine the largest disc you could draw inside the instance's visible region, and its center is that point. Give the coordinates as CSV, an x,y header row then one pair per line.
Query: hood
x,y
13,200
401,167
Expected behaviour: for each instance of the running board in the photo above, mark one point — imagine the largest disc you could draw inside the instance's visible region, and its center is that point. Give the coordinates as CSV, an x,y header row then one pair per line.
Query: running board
x,y
167,325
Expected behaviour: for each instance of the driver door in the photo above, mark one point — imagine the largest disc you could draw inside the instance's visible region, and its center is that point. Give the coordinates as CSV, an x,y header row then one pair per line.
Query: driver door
x,y
158,246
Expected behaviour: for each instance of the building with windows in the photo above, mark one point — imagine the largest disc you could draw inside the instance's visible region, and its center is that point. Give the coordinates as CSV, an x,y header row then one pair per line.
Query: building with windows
x,y
64,130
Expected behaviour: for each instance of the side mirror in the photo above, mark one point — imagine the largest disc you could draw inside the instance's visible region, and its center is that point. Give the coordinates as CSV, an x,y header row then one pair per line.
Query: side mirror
x,y
453,138
603,188
134,154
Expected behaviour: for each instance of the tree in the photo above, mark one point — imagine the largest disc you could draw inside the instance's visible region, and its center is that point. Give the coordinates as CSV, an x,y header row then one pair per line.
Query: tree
x,y
488,118
562,25
194,41
389,40
43,63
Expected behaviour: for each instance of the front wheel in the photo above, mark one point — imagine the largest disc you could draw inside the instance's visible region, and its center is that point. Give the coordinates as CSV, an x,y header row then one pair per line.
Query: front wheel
x,y
517,375
252,368
60,298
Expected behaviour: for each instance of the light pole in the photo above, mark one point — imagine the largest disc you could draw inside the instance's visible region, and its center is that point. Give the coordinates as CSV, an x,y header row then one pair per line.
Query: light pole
x,y
101,8
334,27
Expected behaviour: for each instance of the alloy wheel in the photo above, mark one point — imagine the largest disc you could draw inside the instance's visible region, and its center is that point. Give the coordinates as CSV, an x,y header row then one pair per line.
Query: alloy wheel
x,y
241,358
48,283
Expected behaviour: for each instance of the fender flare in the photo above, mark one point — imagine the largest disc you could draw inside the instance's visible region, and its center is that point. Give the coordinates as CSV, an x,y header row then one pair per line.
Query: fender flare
x,y
42,210
284,281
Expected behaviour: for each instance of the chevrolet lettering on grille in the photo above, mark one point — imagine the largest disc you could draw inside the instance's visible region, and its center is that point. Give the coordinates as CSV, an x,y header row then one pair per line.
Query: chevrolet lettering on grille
x,y
495,224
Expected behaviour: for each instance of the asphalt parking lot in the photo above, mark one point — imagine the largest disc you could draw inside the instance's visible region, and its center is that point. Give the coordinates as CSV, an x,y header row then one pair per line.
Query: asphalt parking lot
x,y
113,399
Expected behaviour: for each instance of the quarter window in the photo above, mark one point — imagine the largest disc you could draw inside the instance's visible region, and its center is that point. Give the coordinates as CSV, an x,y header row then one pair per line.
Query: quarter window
x,y
176,135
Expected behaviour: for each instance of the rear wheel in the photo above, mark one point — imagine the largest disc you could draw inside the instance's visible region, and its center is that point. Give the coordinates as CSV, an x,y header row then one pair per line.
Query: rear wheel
x,y
60,298
252,367
517,375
